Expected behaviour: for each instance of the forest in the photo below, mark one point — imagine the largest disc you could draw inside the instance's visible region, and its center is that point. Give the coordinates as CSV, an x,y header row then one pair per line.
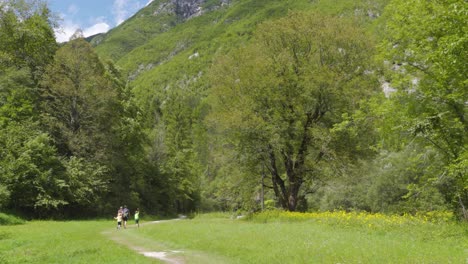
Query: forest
x,y
253,105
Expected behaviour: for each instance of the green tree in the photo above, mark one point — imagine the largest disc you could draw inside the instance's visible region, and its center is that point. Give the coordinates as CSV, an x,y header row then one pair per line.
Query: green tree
x,y
38,181
30,169
29,162
174,148
81,108
426,44
394,177
27,45
26,35
17,97
96,124
278,98
79,101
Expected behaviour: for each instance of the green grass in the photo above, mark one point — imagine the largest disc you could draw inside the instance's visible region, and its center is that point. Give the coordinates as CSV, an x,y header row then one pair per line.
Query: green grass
x,y
217,238
64,242
237,241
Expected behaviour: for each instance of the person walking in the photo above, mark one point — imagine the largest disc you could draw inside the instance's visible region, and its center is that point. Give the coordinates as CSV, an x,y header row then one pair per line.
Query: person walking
x,y
137,217
126,214
119,220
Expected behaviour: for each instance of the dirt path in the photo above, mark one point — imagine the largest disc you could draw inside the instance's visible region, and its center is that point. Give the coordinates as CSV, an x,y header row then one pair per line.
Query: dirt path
x,y
146,247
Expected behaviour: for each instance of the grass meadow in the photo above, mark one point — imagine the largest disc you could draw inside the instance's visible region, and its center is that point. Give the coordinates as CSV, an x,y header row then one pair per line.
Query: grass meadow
x,y
318,238
64,242
272,237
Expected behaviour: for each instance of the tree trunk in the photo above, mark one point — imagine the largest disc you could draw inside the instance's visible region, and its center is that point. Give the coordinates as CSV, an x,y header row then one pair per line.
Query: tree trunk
x,y
295,168
74,116
278,183
464,211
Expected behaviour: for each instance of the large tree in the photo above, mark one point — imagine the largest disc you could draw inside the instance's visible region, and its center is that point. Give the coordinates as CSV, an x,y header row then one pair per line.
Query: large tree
x,y
80,101
278,98
92,121
95,123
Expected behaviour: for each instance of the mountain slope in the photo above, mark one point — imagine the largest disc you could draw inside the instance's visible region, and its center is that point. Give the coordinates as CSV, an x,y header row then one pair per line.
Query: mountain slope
x,y
162,45
158,17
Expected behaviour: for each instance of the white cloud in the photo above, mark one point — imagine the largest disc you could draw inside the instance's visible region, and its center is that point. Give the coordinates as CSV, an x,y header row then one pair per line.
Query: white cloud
x,y
69,27
121,10
96,29
96,20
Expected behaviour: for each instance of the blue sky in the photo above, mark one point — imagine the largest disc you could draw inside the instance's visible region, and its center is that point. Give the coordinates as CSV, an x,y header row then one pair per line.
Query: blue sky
x,y
92,16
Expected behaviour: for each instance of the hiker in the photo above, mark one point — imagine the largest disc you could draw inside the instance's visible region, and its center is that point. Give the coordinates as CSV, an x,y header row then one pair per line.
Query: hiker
x,y
120,210
137,217
126,213
119,220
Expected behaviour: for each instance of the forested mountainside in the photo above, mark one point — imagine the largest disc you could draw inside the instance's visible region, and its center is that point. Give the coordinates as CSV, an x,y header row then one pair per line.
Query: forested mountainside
x,y
197,105
187,35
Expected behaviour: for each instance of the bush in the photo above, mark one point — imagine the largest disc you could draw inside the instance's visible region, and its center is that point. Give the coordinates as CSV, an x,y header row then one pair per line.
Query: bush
x,y
4,195
10,220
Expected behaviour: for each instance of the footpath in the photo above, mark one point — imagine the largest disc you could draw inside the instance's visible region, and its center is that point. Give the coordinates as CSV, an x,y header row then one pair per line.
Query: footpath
x,y
144,246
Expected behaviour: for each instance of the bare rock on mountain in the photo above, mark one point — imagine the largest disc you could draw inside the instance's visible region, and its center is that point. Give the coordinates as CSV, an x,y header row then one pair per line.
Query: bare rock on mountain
x,y
186,9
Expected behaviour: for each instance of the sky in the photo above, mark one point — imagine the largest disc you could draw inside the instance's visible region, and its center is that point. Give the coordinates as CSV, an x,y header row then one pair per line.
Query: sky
x,y
92,16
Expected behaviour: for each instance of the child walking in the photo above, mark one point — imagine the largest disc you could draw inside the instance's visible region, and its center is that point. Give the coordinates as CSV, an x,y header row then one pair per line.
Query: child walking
x,y
119,220
137,217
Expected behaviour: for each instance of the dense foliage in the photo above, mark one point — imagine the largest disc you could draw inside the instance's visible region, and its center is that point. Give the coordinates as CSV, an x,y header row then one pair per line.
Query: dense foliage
x,y
428,43
245,105
72,143
278,99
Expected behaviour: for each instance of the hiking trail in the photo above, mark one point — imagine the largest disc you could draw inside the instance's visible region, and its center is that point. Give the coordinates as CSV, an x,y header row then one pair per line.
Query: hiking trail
x,y
144,246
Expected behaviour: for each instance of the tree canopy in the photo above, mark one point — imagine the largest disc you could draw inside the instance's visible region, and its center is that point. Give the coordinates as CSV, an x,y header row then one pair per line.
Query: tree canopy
x,y
427,45
280,96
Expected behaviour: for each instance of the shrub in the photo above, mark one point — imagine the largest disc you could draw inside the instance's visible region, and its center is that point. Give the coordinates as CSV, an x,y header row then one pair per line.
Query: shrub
x,y
10,220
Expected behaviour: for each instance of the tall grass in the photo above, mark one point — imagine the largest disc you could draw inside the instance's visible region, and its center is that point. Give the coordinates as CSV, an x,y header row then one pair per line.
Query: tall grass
x,y
320,240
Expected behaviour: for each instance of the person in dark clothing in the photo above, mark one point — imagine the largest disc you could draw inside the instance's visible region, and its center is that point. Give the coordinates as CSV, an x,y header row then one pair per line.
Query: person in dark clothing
x,y
126,214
